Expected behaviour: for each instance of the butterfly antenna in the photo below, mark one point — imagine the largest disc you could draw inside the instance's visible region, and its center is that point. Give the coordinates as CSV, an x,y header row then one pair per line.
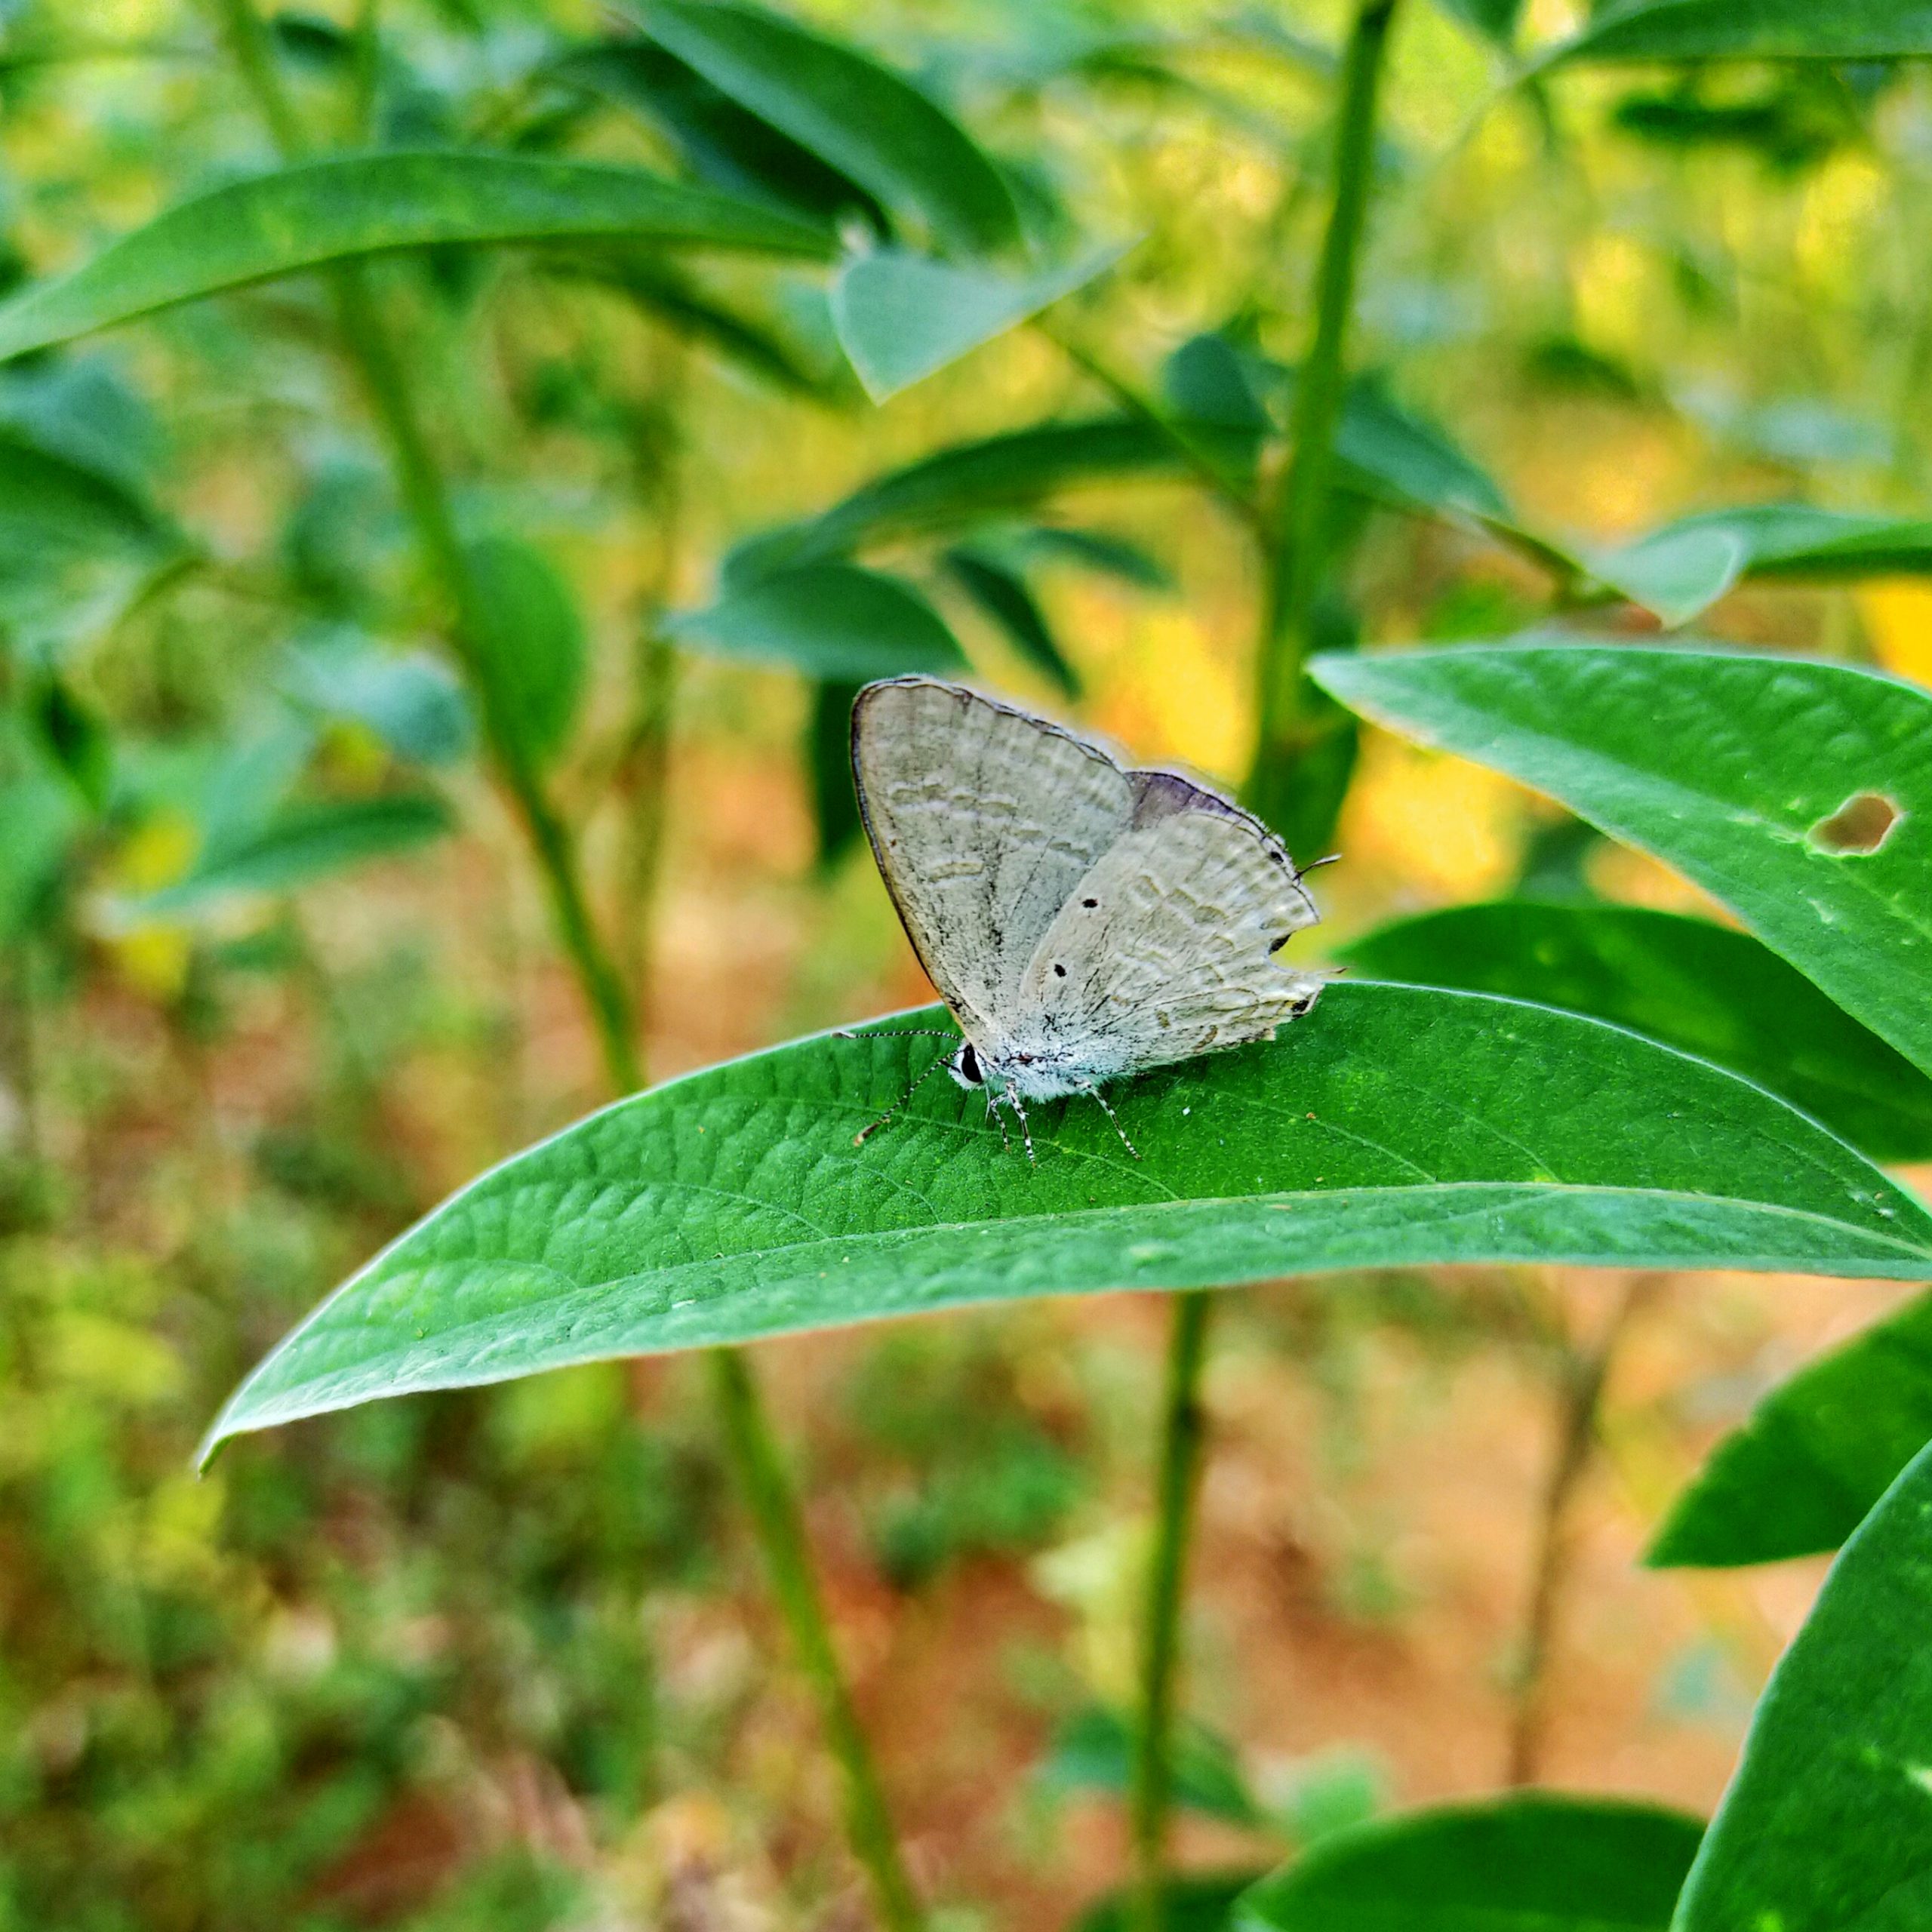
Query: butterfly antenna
x,y
859,1139
1087,1087
895,1033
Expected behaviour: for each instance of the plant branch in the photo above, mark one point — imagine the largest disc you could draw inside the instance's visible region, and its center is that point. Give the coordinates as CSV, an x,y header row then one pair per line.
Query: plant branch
x,y
1181,1432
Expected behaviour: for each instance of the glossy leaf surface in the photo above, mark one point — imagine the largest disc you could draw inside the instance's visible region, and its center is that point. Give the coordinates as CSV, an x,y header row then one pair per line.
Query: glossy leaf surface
x,y
1394,1125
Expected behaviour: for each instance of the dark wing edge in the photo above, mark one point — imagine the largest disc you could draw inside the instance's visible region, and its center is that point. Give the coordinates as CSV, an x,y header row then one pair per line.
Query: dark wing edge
x,y
1161,794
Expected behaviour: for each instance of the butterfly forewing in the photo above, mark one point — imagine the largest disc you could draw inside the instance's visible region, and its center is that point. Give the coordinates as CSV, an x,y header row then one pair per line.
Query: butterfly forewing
x,y
982,820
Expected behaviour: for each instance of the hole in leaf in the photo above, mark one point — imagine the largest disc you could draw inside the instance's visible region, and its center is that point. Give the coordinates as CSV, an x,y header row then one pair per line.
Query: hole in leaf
x,y
1859,827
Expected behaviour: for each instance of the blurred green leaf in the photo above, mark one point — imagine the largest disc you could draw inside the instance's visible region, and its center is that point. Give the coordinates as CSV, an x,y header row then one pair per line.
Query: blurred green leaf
x,y
76,736
1800,794
1753,30
303,842
1823,1828
318,212
861,117
408,698
1494,19
1702,988
834,621
1394,453
1201,1902
1395,1126
1003,595
828,761
900,317
722,143
1094,1751
1814,1458
1094,550
528,644
1532,1863
1684,568
1209,384
40,817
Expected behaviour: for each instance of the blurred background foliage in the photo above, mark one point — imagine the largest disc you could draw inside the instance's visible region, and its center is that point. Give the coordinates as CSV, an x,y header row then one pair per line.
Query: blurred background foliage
x,y
276,974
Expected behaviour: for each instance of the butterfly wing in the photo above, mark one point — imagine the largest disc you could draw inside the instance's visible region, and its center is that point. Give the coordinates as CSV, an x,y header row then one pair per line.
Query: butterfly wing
x,y
982,820
1167,946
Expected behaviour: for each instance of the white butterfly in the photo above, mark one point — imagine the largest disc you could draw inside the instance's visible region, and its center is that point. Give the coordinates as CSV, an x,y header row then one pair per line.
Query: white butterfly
x,y
1082,921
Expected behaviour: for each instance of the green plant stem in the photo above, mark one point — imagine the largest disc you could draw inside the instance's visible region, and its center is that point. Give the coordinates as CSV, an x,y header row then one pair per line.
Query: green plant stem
x,y
1294,578
758,1463
782,1533
1181,1432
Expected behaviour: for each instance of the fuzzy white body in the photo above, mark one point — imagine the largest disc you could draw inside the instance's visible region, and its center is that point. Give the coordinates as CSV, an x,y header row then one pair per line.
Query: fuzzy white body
x,y
1082,921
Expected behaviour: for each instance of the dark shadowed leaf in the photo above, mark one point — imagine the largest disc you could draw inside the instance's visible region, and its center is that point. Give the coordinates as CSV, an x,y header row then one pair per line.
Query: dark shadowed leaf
x,y
1395,1125
1003,595
1753,30
528,644
1094,1751
1212,386
869,123
1798,793
1815,1457
321,211
835,621
1530,1863
1200,1902
1495,19
1684,568
1824,1828
829,762
303,842
900,316
1702,988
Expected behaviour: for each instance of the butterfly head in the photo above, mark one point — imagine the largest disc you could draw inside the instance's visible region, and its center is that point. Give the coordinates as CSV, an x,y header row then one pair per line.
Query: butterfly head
x,y
964,1066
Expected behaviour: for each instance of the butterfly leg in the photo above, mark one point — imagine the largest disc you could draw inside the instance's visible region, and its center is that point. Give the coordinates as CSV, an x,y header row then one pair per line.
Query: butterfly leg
x,y
998,1119
1087,1087
1013,1100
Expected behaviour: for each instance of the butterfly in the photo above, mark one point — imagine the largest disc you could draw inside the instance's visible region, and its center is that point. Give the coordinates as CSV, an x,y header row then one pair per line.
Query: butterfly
x,y
1082,921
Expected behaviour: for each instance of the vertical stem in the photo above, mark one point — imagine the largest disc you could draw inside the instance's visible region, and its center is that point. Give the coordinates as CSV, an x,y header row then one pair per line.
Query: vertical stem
x,y
1181,1431
1583,1376
759,1466
642,777
1292,565
789,1568
1294,575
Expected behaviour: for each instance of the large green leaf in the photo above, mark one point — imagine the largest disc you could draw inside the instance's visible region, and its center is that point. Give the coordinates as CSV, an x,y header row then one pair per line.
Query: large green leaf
x,y
317,212
1805,1471
1754,30
1395,1125
900,317
528,644
303,842
1824,1827
1531,1863
867,121
1764,779
1702,988
833,621
1684,568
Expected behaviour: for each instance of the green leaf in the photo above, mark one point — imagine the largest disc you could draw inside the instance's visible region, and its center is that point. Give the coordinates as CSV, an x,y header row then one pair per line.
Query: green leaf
x,y
1533,1863
318,212
1817,1453
829,762
528,642
1824,1828
1753,30
721,142
1202,1901
1210,385
961,485
408,698
1394,1126
1094,1751
867,121
41,817
1394,453
1494,19
1702,988
76,737
303,842
833,621
1682,570
1800,794
1096,550
900,317
1003,595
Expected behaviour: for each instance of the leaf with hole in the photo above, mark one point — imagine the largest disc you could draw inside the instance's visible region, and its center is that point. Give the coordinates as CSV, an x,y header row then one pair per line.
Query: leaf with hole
x,y
835,621
900,317
319,212
1732,767
1533,1863
1395,1126
1814,1458
1703,989
1824,1828
869,123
